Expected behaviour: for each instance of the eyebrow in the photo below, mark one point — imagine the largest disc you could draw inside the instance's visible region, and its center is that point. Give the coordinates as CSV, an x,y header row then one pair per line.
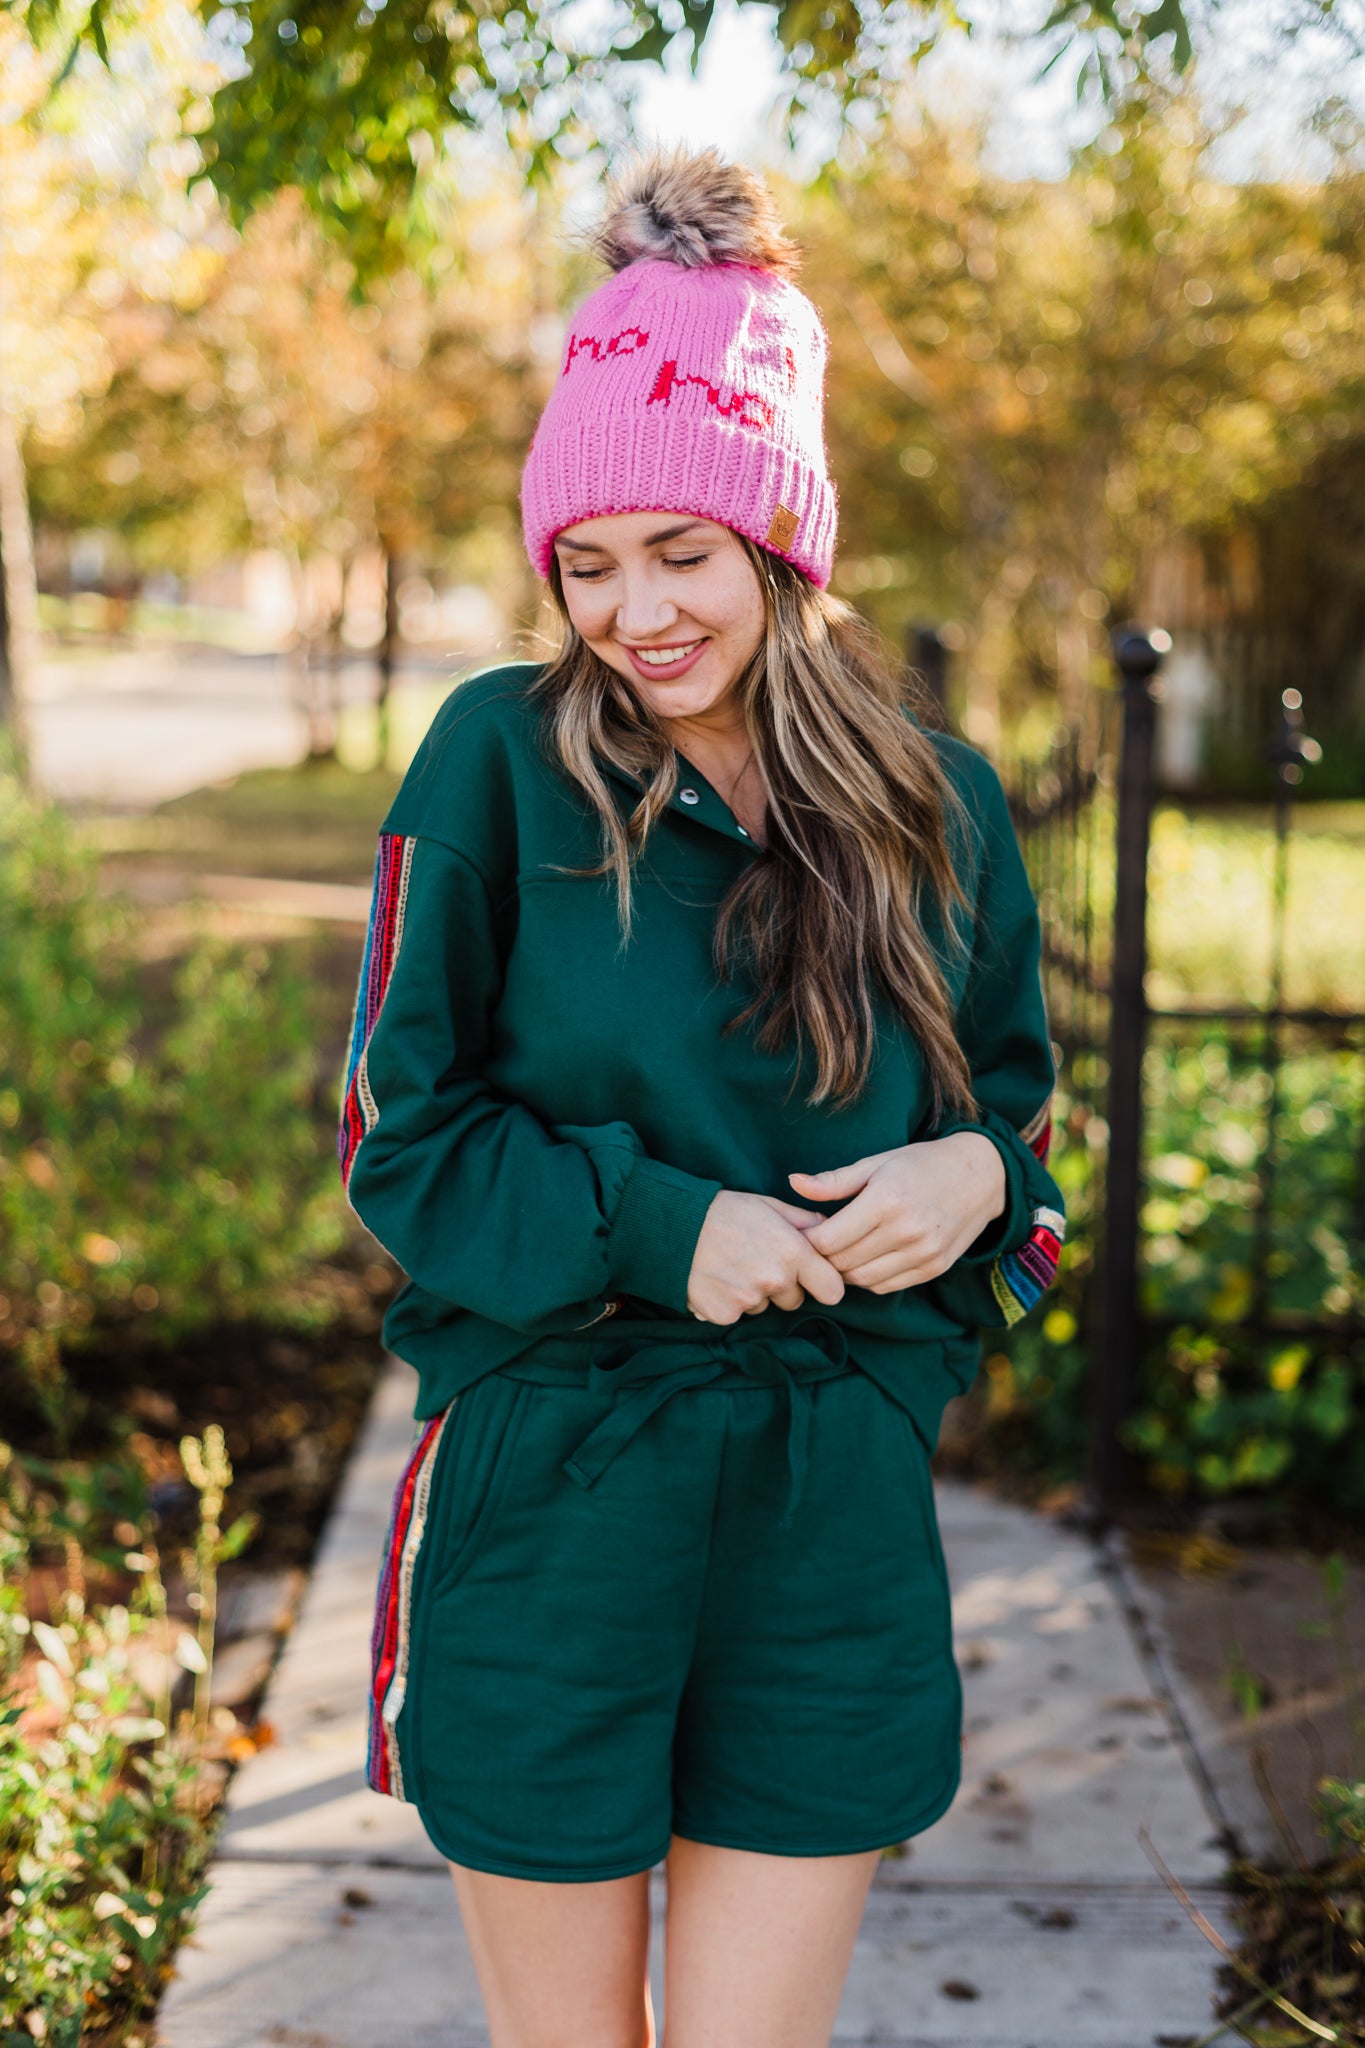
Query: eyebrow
x,y
653,540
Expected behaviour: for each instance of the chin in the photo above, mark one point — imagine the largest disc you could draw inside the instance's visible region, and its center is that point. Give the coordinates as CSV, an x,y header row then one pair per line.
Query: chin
x,y
679,700
688,697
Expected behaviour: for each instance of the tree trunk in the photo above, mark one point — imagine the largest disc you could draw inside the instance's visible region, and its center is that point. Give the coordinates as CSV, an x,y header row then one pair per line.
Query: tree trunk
x,y
336,653
18,597
388,648
327,582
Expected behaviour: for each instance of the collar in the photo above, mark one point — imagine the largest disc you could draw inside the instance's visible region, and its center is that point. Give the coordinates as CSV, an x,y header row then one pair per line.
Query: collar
x,y
694,799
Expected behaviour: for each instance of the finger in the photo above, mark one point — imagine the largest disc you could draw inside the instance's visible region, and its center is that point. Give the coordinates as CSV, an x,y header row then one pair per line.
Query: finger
x,y
804,1219
884,1276
835,1185
858,1219
788,1297
884,1240
819,1278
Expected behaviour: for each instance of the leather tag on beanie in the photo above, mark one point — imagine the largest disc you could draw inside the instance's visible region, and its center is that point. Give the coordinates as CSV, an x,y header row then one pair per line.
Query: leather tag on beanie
x,y
782,532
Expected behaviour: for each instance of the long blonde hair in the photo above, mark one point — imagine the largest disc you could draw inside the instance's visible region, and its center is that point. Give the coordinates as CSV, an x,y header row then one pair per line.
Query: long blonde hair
x,y
858,801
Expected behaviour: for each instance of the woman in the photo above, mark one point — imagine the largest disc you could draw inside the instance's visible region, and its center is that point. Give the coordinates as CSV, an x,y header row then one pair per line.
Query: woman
x,y
701,1084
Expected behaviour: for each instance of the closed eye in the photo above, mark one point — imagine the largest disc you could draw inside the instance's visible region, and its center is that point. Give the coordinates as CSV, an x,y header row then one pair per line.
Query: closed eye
x,y
595,575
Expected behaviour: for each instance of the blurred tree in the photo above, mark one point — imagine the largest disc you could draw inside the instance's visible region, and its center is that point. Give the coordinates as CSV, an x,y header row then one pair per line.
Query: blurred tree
x,y
286,409
1031,382
354,101
93,189
1036,385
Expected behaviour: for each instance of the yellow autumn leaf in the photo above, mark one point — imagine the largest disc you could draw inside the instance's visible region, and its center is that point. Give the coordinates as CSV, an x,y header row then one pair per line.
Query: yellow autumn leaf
x,y
39,1169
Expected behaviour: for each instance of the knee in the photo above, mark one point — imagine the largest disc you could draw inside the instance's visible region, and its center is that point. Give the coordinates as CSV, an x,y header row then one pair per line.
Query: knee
x,y
631,2033
582,2024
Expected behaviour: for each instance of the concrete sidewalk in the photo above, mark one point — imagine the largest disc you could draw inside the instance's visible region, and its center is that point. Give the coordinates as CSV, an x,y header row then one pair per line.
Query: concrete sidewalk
x,y
1028,1917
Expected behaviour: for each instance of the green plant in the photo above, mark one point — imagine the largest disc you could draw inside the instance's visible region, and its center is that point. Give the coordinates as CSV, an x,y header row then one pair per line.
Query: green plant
x,y
1303,1946
1305,1924
209,1470
105,1805
1222,1409
159,1160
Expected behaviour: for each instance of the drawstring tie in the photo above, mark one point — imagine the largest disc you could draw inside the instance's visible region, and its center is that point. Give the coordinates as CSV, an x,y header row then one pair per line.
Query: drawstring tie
x,y
782,1358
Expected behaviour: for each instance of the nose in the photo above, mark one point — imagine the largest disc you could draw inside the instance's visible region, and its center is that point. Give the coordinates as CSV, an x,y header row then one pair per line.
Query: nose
x,y
645,609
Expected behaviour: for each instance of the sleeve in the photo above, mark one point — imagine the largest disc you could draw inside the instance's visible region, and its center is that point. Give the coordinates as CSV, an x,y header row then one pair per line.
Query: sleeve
x,y
1003,1029
532,1225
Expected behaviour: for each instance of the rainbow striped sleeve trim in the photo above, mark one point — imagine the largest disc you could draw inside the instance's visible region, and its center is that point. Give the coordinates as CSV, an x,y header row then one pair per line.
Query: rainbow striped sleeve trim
x,y
1037,1132
391,1638
1021,1277
392,870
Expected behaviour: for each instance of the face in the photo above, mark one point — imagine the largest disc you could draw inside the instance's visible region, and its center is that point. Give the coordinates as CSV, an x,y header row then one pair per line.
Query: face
x,y
670,602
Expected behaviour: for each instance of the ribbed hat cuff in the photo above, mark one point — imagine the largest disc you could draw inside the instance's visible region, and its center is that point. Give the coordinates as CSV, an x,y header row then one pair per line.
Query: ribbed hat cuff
x,y
588,468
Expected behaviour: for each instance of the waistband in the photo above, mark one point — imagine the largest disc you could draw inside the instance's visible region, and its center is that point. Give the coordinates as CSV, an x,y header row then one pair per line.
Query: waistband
x,y
647,1373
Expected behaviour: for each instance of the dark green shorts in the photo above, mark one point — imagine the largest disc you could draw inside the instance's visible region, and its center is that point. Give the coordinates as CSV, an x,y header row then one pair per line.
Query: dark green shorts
x,y
644,1587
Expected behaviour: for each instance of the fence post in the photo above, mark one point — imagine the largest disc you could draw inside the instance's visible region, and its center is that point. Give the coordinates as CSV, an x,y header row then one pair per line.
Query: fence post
x,y
1138,654
928,655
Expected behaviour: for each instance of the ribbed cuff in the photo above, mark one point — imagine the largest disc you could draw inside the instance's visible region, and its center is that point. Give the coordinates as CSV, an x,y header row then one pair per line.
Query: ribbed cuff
x,y
702,463
1009,1229
655,1230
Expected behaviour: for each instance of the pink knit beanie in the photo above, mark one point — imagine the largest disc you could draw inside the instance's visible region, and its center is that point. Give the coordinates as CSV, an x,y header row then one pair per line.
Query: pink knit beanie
x,y
693,378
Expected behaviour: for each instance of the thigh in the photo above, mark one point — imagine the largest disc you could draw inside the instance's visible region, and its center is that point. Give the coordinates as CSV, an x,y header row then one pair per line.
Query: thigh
x,y
758,1947
823,1711
560,1965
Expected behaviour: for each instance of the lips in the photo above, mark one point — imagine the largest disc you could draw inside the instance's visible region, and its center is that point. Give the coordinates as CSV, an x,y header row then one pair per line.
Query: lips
x,y
646,660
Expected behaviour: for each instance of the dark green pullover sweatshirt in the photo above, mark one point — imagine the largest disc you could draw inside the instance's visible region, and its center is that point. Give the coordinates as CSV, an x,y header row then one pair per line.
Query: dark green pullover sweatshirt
x,y
535,1121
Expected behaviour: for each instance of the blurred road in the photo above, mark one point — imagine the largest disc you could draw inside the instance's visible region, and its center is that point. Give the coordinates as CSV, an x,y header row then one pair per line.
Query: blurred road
x,y
129,728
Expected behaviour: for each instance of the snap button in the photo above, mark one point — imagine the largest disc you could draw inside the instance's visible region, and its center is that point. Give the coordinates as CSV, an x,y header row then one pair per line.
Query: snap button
x,y
689,796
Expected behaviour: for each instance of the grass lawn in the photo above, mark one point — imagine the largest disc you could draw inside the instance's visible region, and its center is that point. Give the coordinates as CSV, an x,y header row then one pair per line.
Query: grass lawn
x,y
1211,878
314,823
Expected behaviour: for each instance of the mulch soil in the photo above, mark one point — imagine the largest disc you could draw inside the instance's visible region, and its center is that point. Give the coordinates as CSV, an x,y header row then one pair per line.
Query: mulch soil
x,y
289,1402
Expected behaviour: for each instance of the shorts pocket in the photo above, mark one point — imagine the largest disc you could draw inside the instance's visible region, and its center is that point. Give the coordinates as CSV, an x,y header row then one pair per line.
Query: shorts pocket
x,y
922,1477
471,1475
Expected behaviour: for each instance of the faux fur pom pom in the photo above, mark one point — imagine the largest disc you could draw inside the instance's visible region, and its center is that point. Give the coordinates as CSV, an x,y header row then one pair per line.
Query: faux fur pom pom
x,y
693,208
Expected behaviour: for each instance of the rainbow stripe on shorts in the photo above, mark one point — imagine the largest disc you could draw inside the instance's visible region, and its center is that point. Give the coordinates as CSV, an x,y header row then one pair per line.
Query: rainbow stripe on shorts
x,y
391,1638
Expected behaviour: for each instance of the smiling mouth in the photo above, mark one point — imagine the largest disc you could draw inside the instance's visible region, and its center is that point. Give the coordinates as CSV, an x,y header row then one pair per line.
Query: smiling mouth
x,y
663,657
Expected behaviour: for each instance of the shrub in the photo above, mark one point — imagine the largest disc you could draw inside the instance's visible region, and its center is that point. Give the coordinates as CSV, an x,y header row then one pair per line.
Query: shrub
x,y
157,1171
105,1805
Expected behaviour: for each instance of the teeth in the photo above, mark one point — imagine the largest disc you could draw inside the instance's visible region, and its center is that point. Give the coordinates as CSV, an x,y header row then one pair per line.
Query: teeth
x,y
661,657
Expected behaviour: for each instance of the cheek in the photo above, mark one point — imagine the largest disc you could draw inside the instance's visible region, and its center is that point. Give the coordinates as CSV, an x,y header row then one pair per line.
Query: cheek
x,y
742,610
589,611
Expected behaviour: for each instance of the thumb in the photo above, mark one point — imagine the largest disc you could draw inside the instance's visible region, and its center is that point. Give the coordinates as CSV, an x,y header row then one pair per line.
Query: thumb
x,y
836,1184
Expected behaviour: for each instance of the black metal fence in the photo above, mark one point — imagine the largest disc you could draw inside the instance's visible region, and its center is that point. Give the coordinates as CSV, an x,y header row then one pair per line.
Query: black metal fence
x,y
1263,1244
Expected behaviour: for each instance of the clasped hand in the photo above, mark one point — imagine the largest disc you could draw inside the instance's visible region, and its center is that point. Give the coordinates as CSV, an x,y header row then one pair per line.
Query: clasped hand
x,y
908,1215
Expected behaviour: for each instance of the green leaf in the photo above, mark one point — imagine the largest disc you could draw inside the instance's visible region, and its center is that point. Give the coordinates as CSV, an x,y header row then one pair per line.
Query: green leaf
x,y
96,27
1169,19
68,65
699,21
649,47
235,1539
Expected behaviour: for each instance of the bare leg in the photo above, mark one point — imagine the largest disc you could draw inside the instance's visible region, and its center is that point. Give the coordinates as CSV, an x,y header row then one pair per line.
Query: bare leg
x,y
758,1947
560,1965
